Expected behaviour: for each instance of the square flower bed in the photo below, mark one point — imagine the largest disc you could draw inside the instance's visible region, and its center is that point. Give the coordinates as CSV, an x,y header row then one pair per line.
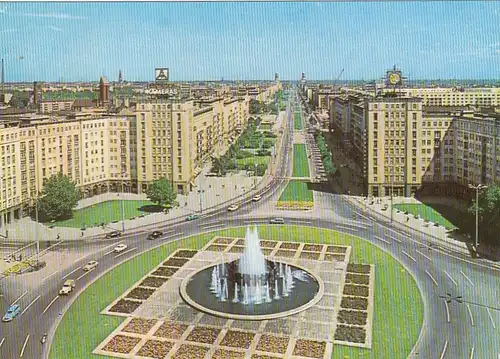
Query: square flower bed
x,y
121,344
268,244
155,349
184,253
241,242
203,335
266,251
356,290
273,344
125,306
216,248
283,253
358,268
165,272
154,282
237,249
309,348
175,262
287,245
334,257
227,354
260,356
352,317
140,293
357,279
350,334
310,255
171,330
354,303
312,247
336,249
139,326
224,240
187,351
237,339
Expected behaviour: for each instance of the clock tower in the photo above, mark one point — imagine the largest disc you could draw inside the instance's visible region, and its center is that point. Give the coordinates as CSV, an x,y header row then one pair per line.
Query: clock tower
x,y
394,79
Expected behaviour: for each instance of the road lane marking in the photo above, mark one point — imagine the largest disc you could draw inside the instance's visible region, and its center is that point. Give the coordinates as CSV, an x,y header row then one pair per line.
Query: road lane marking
x,y
21,297
85,256
346,228
111,251
381,239
209,223
472,353
113,245
1,342
423,255
361,215
467,278
406,254
444,350
447,311
300,221
50,275
213,226
53,300
29,305
449,276
397,240
70,273
492,321
470,314
24,346
122,253
431,277
84,274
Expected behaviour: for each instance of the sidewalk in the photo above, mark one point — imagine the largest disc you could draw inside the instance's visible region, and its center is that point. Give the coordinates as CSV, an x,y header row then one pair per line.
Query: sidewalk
x,y
457,242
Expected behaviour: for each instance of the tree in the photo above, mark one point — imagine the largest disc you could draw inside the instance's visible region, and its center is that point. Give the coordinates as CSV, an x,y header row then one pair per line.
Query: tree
x,y
489,214
58,198
162,193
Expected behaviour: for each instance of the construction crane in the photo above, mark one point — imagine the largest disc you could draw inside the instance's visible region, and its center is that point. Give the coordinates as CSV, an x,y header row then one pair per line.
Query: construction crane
x,y
338,77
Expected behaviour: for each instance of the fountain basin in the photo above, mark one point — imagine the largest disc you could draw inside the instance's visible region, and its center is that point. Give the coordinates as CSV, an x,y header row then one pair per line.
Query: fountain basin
x,y
307,290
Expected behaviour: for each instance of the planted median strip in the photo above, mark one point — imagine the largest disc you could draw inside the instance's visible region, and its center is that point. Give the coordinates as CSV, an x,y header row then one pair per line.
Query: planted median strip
x,y
300,161
296,195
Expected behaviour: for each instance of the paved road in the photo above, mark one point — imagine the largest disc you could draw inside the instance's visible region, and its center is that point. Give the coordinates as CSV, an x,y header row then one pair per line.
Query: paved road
x,y
455,330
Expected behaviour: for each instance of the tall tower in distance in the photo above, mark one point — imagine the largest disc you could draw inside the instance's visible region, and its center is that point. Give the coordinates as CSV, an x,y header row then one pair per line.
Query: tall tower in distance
x,y
120,79
104,91
3,81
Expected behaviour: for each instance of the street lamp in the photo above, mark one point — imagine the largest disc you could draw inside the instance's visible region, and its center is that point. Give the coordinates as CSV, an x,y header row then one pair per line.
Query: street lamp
x,y
200,191
123,203
477,188
255,175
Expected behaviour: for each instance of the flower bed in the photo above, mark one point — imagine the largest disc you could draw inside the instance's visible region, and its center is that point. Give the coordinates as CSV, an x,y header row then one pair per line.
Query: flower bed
x,y
175,262
125,306
273,344
350,334
312,247
165,272
260,356
184,253
227,354
139,326
237,339
203,335
187,351
171,330
224,240
284,253
357,279
295,205
354,303
309,348
121,344
334,257
154,282
215,248
140,293
353,317
336,249
356,290
237,249
358,268
266,251
155,349
268,244
310,255
286,245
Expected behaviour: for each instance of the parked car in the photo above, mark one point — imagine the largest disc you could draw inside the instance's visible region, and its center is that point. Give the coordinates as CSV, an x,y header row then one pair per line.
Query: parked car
x,y
113,234
154,235
277,221
90,265
11,313
233,208
120,248
67,287
192,217
256,198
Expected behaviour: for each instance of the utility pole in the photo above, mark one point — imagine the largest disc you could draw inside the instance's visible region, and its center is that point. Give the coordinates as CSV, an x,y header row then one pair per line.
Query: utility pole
x,y
200,191
36,233
123,206
477,188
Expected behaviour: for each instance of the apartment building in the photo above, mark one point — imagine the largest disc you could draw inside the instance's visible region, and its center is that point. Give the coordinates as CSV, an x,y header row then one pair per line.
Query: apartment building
x,y
55,106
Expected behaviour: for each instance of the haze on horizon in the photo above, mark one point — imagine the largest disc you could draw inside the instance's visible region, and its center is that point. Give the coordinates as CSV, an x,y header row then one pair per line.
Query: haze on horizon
x,y
247,41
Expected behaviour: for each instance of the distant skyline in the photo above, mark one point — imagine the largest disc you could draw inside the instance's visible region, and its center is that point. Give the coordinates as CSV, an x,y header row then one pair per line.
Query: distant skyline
x,y
247,41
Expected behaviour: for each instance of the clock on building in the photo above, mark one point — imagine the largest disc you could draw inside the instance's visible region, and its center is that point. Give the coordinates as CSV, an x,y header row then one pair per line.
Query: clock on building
x,y
394,78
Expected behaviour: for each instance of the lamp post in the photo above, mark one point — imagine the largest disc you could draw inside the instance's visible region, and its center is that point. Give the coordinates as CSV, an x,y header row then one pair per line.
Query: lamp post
x,y
200,191
477,188
255,175
123,205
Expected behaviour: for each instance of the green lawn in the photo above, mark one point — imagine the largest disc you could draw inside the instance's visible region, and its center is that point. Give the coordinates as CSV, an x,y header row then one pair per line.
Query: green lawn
x,y
265,127
297,121
253,159
425,212
300,162
296,191
106,212
398,306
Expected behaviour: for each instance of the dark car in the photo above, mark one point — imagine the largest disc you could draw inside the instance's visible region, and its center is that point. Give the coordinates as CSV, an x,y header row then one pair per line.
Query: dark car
x,y
154,235
113,234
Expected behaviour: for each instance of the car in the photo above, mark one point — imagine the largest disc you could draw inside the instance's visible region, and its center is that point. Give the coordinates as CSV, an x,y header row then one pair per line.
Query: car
x,y
90,265
256,198
192,217
113,234
154,235
277,221
67,287
120,248
233,208
11,313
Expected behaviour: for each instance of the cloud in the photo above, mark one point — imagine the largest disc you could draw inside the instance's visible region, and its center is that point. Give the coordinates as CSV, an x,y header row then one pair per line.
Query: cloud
x,y
54,16
55,28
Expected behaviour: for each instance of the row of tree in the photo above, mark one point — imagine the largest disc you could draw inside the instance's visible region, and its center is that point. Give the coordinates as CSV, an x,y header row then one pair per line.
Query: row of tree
x,y
326,155
489,215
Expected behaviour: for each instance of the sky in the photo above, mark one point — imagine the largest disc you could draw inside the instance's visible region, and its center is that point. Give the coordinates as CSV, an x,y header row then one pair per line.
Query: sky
x,y
253,40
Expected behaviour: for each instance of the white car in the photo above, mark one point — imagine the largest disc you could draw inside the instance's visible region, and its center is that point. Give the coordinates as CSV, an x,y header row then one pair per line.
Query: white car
x,y
90,265
67,287
120,248
256,198
233,208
